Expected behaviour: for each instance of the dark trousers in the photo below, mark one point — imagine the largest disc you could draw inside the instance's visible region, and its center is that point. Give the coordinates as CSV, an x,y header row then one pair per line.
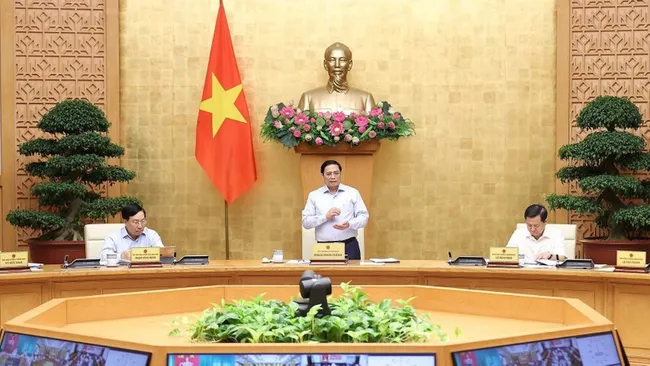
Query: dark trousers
x,y
352,250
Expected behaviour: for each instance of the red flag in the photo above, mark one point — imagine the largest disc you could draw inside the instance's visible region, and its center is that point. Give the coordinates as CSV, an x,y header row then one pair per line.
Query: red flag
x,y
224,144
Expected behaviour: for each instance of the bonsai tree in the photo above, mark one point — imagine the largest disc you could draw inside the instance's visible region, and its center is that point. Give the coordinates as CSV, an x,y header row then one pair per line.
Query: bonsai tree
x,y
596,163
72,162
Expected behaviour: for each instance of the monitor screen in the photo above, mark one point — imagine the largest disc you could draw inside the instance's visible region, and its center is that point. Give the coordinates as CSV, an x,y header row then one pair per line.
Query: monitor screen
x,y
591,349
301,360
21,349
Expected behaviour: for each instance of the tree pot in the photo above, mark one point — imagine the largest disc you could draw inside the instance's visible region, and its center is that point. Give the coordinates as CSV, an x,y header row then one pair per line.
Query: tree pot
x,y
53,252
604,251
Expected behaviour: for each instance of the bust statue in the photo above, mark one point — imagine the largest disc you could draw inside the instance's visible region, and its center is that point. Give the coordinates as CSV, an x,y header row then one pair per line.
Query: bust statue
x,y
337,95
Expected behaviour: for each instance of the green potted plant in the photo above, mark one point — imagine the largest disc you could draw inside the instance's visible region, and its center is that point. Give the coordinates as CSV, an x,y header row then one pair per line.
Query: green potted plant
x,y
602,165
354,318
71,168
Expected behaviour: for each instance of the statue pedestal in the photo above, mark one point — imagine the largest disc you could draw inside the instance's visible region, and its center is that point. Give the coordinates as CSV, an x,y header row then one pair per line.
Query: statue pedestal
x,y
357,163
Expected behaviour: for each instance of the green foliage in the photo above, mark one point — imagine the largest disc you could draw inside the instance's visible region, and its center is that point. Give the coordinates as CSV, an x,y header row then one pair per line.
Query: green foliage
x,y
58,193
633,218
100,207
581,205
85,143
595,163
71,159
37,220
621,185
635,162
571,173
354,319
74,117
611,113
598,146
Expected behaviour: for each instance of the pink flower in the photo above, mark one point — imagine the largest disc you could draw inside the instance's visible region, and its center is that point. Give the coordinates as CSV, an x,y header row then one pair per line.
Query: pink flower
x,y
336,128
277,124
319,141
297,133
293,128
355,140
337,139
396,116
287,121
306,128
300,119
287,112
339,116
381,125
372,134
320,114
313,120
391,125
361,121
348,138
308,137
353,115
375,112
329,122
362,129
381,116
327,115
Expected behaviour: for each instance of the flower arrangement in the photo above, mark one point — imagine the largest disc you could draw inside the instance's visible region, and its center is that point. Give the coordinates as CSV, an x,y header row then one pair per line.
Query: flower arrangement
x,y
291,126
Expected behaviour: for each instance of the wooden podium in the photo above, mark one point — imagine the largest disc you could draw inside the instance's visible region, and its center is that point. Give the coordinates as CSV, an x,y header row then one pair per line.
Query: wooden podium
x,y
357,163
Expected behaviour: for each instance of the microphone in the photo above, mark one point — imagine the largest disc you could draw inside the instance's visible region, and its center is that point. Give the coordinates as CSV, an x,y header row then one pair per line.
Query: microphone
x,y
450,257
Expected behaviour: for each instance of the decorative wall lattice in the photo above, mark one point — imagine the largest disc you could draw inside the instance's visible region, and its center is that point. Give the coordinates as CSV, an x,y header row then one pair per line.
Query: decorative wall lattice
x,y
59,54
610,55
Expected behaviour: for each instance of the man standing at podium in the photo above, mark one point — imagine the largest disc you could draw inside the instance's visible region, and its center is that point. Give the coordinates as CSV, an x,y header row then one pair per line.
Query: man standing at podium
x,y
336,211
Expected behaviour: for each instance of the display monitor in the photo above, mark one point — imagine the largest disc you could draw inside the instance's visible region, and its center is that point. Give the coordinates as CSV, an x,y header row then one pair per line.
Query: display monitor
x,y
301,359
21,349
590,349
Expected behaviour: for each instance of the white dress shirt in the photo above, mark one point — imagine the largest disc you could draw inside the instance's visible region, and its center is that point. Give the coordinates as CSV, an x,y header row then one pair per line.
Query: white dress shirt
x,y
346,199
551,241
121,241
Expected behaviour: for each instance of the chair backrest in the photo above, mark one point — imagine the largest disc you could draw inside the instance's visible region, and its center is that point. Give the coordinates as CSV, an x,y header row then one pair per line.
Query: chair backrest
x,y
94,235
569,232
309,239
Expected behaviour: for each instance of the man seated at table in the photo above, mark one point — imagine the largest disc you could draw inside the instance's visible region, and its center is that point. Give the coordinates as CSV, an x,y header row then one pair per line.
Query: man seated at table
x,y
134,234
536,241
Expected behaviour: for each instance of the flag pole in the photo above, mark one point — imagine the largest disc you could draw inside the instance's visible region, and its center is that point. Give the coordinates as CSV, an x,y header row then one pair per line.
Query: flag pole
x,y
225,204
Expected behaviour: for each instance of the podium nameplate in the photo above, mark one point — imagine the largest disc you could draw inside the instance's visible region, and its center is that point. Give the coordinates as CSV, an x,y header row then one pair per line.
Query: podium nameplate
x,y
631,261
14,262
504,257
145,258
328,253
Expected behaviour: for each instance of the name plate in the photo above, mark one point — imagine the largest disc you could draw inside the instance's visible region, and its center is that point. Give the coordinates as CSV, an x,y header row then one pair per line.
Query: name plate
x,y
504,255
14,260
328,251
144,255
630,259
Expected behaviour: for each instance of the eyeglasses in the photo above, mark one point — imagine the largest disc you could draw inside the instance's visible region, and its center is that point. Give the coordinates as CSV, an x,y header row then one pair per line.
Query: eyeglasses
x,y
142,222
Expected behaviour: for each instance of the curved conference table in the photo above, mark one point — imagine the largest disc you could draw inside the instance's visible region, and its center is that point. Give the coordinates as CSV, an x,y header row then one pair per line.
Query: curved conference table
x,y
624,298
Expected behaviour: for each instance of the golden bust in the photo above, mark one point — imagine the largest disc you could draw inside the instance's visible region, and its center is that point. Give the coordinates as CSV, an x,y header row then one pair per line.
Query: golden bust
x,y
337,95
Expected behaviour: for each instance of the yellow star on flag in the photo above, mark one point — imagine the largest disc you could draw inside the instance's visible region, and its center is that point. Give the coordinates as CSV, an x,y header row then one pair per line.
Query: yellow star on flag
x,y
221,105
